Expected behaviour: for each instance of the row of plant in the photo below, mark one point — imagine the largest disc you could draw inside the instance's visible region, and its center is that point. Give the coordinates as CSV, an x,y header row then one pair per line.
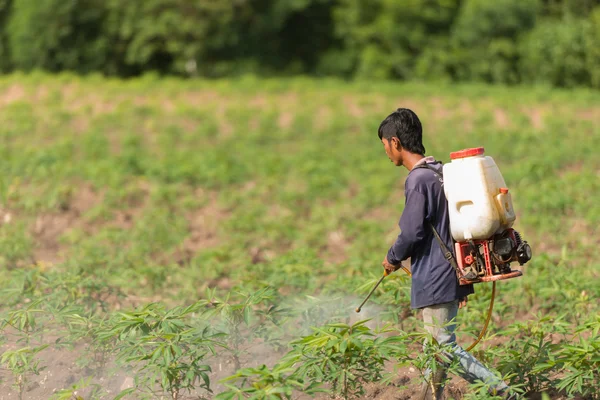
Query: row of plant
x,y
315,345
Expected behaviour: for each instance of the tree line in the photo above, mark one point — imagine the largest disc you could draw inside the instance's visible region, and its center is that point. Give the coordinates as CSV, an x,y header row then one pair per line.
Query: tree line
x,y
553,42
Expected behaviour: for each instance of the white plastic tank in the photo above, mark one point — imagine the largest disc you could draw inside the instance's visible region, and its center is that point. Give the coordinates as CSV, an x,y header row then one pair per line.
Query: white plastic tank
x,y
479,203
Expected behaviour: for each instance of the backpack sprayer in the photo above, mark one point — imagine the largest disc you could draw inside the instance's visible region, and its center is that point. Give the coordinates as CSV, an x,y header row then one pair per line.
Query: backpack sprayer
x,y
481,218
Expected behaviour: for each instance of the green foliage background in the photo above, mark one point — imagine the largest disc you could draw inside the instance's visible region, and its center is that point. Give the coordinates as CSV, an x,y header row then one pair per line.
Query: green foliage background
x,y
552,42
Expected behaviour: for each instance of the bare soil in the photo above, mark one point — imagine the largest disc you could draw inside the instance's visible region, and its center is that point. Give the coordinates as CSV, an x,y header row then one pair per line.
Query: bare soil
x,y
49,227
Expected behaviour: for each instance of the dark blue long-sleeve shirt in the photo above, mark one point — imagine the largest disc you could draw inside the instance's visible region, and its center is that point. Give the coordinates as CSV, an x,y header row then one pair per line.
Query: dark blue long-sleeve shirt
x,y
434,280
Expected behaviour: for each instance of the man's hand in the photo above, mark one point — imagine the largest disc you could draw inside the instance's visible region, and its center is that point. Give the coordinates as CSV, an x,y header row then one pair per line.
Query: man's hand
x,y
389,268
462,302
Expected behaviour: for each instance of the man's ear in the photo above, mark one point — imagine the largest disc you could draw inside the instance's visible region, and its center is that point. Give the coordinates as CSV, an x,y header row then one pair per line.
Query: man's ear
x,y
396,143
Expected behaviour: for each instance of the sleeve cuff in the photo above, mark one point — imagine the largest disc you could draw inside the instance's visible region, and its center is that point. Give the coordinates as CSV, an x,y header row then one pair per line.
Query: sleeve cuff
x,y
391,258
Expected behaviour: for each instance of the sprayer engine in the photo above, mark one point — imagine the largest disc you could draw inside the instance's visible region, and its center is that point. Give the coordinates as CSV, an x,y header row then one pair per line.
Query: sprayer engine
x,y
489,260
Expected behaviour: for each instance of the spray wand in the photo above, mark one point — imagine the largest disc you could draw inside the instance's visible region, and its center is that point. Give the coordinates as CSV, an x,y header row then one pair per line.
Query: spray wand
x,y
385,273
487,321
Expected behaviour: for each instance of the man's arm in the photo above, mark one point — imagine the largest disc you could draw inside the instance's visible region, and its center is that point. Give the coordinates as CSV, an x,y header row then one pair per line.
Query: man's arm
x,y
412,227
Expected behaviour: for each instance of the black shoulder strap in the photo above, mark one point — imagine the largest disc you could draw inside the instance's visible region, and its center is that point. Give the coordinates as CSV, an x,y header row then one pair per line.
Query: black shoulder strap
x,y
448,255
429,167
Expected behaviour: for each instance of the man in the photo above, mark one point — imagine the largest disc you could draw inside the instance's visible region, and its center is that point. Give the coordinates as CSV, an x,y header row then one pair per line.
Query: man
x,y
435,288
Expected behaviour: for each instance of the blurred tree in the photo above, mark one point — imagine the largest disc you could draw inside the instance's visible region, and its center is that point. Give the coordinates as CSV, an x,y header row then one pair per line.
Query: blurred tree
x,y
555,53
214,38
480,20
384,38
169,36
485,35
5,62
592,41
482,40
57,35
563,8
287,36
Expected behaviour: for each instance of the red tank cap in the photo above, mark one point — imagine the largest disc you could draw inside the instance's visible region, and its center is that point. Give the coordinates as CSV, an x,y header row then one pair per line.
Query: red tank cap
x,y
503,190
475,151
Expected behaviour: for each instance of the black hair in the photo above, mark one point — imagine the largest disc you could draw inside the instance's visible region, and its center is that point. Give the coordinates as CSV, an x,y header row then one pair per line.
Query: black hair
x,y
405,125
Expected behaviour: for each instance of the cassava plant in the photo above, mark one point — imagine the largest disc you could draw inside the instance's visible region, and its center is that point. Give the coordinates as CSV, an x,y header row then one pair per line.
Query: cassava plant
x,y
580,362
164,349
22,363
263,383
89,329
239,319
430,356
24,320
74,391
345,356
528,355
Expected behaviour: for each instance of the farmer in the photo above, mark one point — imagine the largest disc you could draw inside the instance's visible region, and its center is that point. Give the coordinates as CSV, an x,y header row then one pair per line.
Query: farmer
x,y
435,288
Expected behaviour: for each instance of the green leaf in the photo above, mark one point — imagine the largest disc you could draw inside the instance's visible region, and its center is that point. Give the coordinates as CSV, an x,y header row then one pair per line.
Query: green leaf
x,y
124,393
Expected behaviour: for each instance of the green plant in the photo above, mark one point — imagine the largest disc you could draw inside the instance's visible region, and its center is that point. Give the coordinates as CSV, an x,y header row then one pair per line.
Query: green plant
x,y
580,362
527,357
24,320
79,288
22,362
429,358
73,392
238,318
479,391
263,383
90,329
163,348
346,356
15,244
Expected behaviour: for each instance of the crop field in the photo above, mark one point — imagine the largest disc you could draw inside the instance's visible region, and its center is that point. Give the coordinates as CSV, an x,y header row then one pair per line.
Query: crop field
x,y
191,239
